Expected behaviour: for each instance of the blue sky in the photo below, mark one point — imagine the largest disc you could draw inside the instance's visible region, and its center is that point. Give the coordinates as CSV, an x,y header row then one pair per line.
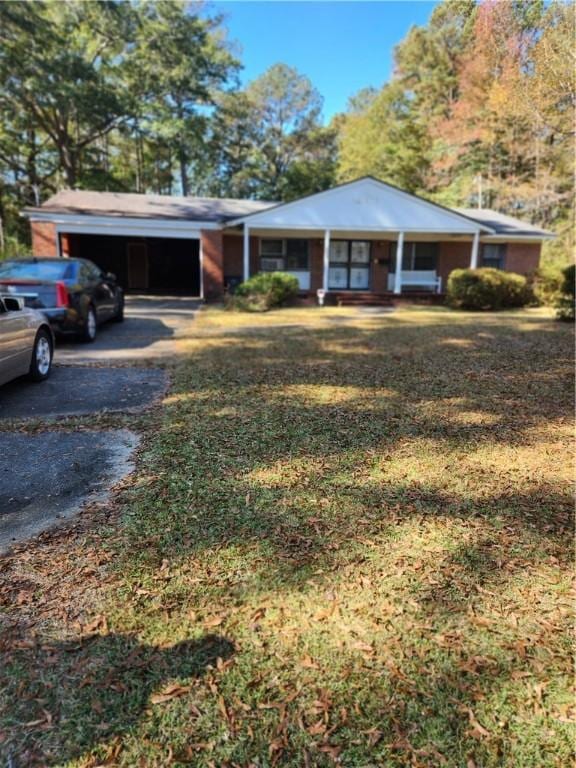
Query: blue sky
x,y
341,46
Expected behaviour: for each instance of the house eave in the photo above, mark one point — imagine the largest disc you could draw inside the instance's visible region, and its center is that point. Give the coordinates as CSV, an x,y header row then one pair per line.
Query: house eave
x,y
92,221
503,237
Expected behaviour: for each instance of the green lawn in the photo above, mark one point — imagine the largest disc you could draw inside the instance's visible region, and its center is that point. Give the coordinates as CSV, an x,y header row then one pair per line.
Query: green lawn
x,y
348,542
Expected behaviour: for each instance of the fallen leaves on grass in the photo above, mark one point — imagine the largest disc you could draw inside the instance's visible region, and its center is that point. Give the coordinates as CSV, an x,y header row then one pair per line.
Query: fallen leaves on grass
x,y
168,693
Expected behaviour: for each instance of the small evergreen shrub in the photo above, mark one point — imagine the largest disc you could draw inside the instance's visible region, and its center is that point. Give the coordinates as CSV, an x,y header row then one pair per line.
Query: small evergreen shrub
x,y
547,285
487,289
264,291
566,301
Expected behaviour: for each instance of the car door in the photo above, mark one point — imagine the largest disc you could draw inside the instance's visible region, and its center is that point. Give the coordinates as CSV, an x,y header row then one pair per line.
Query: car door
x,y
16,339
99,291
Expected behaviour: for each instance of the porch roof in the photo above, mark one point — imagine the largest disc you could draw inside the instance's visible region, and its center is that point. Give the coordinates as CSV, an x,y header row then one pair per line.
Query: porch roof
x,y
366,205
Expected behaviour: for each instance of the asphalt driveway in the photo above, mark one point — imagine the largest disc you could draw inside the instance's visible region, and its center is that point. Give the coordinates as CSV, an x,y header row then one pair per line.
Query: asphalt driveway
x,y
47,477
75,391
151,326
84,379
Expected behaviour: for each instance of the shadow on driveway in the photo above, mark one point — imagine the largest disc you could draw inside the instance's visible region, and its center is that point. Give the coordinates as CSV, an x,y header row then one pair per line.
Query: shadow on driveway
x,y
151,324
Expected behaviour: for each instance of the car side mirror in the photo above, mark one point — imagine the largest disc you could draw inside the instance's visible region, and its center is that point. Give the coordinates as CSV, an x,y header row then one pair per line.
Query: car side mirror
x,y
13,304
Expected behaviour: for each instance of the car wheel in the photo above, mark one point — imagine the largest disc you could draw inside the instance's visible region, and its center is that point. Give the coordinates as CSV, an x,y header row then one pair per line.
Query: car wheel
x,y
118,316
88,333
42,354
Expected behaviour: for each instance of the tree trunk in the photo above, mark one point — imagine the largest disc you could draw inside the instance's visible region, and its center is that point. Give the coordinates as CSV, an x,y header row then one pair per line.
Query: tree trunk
x,y
183,170
68,162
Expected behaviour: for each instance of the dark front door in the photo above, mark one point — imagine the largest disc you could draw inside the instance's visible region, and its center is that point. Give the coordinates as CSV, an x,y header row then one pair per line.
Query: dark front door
x,y
137,266
349,265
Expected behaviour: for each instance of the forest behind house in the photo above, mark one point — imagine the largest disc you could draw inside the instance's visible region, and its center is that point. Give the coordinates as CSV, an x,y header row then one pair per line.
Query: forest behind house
x,y
146,98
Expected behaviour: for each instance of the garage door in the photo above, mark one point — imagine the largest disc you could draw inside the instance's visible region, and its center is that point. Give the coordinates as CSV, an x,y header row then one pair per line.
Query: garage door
x,y
144,264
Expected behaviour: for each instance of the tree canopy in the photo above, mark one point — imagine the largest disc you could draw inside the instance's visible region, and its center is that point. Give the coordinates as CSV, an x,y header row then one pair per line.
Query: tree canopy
x,y
145,97
482,98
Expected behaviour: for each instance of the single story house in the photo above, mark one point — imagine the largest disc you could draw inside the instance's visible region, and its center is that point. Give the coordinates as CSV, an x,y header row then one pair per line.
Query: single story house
x,y
363,239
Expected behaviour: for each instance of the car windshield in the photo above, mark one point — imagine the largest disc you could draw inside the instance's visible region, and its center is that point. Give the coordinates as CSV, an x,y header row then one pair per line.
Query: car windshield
x,y
37,270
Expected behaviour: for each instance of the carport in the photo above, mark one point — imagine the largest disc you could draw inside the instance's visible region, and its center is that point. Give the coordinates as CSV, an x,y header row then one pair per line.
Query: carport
x,y
156,244
169,265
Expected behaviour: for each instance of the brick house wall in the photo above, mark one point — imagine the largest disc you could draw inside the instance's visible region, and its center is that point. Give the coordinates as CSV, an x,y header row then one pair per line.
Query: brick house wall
x,y
233,256
452,255
44,243
212,263
233,246
522,258
316,254
233,260
381,252
223,257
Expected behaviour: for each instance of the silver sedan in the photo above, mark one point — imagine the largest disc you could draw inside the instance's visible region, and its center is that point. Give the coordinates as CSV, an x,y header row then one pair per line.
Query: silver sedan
x,y
26,342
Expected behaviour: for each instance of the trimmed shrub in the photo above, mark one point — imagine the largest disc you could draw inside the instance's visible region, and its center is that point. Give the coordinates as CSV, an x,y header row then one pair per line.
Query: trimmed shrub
x,y
264,291
486,289
566,302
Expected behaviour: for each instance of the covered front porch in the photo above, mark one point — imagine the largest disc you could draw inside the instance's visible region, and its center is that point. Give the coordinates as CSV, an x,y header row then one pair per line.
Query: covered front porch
x,y
352,265
362,238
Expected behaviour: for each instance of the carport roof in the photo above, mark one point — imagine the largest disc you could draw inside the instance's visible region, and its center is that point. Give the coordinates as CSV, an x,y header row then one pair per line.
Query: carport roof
x,y
120,204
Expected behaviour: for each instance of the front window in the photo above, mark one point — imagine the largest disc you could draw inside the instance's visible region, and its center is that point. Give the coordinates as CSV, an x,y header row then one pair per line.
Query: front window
x,y
290,255
493,255
418,257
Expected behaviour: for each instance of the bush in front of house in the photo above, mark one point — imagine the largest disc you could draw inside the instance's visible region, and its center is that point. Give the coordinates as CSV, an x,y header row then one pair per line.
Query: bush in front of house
x,y
547,285
566,301
264,291
487,289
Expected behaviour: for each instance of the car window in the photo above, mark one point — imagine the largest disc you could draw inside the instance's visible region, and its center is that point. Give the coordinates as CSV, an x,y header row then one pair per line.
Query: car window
x,y
89,272
37,270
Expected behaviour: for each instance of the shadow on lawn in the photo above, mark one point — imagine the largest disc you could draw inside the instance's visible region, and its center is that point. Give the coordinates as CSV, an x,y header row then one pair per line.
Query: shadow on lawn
x,y
246,410
244,417
98,692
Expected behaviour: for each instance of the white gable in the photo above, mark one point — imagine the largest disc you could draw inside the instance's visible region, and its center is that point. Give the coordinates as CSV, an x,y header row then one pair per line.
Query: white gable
x,y
363,205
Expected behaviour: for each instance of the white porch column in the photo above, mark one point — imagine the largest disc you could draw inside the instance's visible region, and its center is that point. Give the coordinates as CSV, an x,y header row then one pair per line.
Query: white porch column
x,y
475,249
399,254
246,270
326,263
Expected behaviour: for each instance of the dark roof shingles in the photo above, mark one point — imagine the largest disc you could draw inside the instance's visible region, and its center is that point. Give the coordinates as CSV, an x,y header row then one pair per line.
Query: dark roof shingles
x,y
503,224
88,203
